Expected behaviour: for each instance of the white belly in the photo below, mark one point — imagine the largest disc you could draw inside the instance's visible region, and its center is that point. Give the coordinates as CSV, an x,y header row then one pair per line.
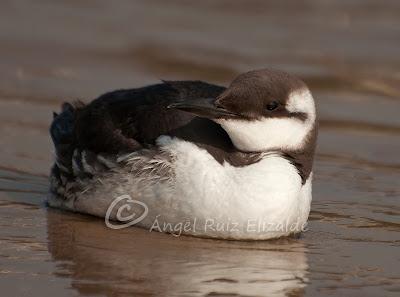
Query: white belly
x,y
204,198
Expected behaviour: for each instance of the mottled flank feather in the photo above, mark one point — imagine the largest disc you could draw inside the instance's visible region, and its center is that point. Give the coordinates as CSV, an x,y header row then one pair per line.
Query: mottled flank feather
x,y
149,165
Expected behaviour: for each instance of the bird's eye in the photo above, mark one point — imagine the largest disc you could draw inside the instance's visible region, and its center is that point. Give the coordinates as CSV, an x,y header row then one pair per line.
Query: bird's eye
x,y
272,105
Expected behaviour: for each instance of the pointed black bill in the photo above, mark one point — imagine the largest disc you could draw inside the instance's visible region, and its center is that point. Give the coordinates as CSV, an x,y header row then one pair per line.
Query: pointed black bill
x,y
203,107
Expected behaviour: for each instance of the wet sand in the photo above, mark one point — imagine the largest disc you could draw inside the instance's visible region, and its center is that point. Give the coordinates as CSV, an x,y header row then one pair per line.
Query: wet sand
x,y
347,51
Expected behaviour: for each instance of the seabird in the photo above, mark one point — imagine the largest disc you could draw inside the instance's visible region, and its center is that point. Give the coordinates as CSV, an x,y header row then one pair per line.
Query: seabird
x,y
194,158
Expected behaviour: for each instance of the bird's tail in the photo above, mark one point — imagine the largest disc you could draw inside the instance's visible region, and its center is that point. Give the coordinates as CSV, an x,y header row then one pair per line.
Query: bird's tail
x,y
62,134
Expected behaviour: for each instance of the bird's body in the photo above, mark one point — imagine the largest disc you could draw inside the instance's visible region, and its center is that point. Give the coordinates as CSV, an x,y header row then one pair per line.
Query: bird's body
x,y
182,165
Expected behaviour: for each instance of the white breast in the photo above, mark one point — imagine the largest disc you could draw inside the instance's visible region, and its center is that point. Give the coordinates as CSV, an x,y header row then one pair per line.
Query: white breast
x,y
262,200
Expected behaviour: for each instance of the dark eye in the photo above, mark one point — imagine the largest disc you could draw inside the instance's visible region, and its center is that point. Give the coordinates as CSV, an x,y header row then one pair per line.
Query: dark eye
x,y
272,105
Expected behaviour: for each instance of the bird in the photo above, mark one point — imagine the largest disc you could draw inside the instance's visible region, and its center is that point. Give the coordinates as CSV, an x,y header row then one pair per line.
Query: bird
x,y
191,157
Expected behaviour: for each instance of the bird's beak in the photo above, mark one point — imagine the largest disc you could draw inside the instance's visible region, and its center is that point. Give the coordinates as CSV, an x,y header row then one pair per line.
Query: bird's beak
x,y
203,107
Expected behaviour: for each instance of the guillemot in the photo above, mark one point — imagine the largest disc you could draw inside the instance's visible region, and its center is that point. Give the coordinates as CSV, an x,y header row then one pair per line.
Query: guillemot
x,y
231,163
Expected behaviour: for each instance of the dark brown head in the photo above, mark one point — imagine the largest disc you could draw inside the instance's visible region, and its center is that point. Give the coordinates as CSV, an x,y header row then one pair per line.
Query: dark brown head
x,y
261,110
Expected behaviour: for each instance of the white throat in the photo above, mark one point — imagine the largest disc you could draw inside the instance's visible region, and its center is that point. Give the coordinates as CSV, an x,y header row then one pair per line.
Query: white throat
x,y
274,133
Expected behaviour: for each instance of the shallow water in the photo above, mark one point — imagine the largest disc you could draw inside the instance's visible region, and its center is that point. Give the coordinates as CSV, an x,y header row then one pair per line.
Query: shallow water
x,y
347,51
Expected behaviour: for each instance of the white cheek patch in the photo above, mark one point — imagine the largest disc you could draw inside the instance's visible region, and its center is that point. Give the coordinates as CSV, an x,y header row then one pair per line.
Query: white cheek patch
x,y
266,134
274,133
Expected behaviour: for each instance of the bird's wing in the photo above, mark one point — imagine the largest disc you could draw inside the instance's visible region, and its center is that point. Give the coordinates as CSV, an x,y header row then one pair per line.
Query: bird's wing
x,y
88,138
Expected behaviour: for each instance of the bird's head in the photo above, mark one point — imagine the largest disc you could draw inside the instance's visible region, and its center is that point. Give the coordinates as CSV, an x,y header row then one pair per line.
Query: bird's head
x,y
261,110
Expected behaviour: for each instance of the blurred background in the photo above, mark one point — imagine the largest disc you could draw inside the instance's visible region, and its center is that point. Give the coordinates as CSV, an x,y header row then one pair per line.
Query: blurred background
x,y
51,51
347,51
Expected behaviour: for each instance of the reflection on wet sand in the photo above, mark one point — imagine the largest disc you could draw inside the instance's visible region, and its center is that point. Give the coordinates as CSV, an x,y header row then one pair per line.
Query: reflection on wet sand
x,y
117,262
